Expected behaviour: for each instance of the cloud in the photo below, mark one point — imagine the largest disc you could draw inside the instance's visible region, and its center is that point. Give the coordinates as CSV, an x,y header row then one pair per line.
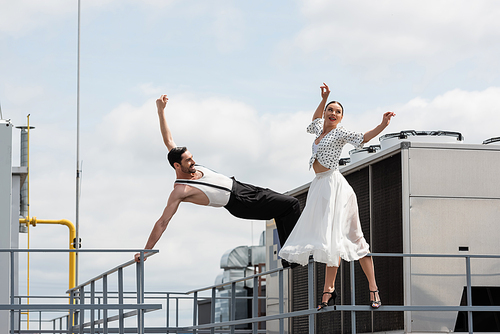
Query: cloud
x,y
475,114
19,17
23,16
376,36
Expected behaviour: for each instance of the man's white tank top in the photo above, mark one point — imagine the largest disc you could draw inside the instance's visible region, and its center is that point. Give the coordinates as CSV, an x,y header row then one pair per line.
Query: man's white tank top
x,y
216,186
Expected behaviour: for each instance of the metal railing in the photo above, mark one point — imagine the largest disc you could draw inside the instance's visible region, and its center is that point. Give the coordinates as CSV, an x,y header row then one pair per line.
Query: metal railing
x,y
139,308
77,307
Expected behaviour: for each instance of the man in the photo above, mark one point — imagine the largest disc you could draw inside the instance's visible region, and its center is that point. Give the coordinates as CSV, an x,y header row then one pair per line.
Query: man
x,y
199,185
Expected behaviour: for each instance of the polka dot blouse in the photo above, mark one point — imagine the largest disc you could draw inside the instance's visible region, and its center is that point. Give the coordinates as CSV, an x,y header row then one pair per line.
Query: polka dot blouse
x,y
330,146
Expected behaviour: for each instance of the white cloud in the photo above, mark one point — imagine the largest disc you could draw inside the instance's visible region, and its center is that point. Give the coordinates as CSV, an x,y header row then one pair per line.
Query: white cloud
x,y
22,16
19,17
475,114
380,34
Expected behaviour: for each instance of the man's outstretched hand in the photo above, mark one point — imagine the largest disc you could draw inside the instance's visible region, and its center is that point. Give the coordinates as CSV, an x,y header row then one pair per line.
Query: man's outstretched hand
x,y
138,257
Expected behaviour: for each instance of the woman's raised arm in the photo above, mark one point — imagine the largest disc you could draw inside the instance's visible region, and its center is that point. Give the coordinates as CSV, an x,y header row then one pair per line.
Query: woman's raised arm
x,y
386,119
325,91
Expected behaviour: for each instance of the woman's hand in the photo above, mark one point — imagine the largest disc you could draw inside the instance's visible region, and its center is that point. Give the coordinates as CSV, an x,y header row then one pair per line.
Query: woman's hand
x,y
325,91
161,102
386,118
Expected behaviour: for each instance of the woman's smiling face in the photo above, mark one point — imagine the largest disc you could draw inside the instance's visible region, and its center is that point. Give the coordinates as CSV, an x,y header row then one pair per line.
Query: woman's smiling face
x,y
333,114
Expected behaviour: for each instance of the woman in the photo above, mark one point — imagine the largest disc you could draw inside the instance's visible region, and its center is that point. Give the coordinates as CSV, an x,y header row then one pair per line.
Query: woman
x,y
329,226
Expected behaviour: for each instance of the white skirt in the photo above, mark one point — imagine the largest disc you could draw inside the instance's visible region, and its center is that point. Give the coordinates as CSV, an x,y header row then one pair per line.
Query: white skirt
x,y
329,226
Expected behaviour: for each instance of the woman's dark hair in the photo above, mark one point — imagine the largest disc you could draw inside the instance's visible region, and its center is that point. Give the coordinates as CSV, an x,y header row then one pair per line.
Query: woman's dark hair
x,y
337,102
175,155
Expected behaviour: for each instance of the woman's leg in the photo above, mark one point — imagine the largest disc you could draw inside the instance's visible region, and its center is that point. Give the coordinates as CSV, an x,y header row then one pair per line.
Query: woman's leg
x,y
330,275
367,266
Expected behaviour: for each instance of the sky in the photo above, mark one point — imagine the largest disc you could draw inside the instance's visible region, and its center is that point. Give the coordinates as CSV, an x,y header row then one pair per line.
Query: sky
x,y
243,81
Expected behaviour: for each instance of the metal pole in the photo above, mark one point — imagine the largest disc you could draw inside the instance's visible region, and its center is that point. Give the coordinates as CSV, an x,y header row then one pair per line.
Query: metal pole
x,y
12,285
281,301
232,315
353,299
168,311
255,305
469,293
140,293
71,312
176,312
310,290
82,310
195,310
212,310
120,300
77,220
92,312
105,302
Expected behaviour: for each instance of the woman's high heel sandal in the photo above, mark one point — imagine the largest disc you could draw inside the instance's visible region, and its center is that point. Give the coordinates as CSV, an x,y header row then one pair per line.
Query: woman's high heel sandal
x,y
330,301
375,303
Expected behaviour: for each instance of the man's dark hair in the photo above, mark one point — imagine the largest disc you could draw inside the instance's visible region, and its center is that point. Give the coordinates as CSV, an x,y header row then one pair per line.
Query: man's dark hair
x,y
175,155
336,102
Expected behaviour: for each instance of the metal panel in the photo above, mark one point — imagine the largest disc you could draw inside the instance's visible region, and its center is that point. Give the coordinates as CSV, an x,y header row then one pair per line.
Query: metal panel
x,y
5,219
443,225
272,281
454,172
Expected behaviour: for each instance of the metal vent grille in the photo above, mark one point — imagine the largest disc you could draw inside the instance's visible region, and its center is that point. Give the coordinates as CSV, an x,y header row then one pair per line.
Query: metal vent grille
x,y
385,192
387,237
360,183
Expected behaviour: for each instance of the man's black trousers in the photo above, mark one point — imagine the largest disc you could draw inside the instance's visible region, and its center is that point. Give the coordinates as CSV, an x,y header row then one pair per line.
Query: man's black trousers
x,y
251,202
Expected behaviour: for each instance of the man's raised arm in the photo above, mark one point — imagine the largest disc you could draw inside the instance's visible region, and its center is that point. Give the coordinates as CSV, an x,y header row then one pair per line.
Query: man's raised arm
x,y
161,103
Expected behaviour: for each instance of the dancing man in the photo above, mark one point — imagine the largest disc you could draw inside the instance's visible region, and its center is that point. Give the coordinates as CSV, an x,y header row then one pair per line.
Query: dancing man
x,y
199,185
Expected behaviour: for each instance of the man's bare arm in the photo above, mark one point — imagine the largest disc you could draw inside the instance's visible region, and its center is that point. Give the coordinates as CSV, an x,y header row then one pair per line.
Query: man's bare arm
x,y
174,200
161,103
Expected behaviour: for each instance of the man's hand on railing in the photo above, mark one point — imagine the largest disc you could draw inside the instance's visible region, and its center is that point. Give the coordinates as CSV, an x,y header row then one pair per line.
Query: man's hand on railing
x,y
138,257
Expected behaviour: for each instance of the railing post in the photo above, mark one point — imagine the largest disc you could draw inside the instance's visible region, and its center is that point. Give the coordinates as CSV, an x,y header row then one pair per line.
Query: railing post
x,y
281,301
233,306
176,312
82,310
469,292
255,305
195,310
353,299
105,302
310,291
168,311
212,310
120,301
92,312
71,312
12,289
140,293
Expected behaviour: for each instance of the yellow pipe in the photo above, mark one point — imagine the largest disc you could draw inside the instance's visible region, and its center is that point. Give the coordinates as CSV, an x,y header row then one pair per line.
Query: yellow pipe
x,y
72,235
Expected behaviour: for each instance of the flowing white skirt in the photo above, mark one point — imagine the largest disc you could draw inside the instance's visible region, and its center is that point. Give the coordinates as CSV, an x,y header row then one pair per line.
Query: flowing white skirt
x,y
329,226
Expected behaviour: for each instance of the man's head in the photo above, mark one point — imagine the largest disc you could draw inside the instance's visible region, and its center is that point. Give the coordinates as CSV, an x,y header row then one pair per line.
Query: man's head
x,y
181,158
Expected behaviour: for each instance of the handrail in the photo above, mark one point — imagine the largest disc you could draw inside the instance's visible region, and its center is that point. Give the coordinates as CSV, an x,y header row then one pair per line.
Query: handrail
x,y
79,292
235,281
76,323
147,254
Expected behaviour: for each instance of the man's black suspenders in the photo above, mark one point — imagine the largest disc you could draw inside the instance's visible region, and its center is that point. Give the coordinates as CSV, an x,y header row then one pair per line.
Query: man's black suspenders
x,y
202,183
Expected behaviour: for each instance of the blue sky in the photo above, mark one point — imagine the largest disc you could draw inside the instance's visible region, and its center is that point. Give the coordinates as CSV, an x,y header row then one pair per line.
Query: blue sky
x,y
243,81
